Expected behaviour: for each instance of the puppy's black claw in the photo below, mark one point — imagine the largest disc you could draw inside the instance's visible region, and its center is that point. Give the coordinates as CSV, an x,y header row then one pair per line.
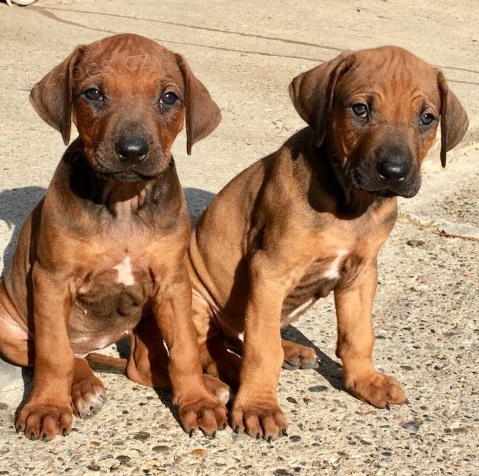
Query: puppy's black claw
x,y
18,428
285,433
64,432
407,402
269,439
388,406
191,433
213,435
258,435
32,436
236,429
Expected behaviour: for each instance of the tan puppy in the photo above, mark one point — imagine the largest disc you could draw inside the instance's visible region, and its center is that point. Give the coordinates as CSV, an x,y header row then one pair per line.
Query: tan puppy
x,y
103,254
310,219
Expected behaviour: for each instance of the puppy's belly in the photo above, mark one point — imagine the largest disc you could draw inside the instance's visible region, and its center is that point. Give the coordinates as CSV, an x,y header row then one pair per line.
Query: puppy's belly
x,y
104,314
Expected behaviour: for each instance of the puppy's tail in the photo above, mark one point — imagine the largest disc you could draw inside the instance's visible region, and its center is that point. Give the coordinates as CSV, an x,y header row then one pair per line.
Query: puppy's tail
x,y
106,363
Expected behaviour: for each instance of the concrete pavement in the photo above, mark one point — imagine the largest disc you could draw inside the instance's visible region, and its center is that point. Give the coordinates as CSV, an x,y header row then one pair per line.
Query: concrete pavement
x,y
426,311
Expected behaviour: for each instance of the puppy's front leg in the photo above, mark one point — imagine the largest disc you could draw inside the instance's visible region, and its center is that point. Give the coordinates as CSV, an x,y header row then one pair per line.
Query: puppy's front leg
x,y
256,408
197,407
355,342
47,412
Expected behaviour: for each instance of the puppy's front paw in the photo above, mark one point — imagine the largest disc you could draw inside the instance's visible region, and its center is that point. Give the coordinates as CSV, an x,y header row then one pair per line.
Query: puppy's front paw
x,y
88,395
44,421
376,388
259,419
206,413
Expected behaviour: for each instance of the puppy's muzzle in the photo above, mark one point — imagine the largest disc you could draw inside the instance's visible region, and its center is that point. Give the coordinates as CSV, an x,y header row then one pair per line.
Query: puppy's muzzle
x,y
131,150
388,171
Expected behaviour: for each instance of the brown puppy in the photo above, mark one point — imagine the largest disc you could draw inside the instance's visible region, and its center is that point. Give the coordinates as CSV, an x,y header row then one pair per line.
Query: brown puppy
x,y
310,219
106,246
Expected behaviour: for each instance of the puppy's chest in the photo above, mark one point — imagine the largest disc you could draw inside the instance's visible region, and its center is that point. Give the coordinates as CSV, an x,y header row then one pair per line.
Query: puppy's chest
x,y
109,303
317,280
119,286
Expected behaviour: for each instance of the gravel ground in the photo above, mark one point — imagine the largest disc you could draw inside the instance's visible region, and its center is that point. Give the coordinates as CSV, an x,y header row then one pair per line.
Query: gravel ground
x,y
426,311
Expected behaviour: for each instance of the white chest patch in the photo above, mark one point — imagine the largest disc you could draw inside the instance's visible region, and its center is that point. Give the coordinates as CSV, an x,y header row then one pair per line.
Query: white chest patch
x,y
299,310
333,271
125,273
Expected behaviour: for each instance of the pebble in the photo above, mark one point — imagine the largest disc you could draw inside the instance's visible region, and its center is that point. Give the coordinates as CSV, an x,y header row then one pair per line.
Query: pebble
x,y
199,452
318,388
141,435
411,426
160,448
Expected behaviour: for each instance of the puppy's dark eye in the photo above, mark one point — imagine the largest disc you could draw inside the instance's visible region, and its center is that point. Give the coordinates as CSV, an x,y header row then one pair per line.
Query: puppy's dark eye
x,y
93,94
360,110
169,98
427,119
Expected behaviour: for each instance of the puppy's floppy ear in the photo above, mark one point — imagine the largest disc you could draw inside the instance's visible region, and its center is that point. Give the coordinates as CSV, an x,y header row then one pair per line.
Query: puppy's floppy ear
x,y
312,92
52,96
202,113
454,120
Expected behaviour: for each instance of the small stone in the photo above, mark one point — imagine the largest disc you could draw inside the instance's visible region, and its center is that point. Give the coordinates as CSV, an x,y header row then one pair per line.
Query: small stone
x,y
95,444
3,406
406,367
281,472
294,438
141,435
123,459
415,243
93,467
318,388
291,399
160,448
199,452
411,426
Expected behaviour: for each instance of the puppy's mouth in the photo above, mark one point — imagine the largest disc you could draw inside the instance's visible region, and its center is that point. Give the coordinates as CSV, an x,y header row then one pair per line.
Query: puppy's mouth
x,y
128,175
407,188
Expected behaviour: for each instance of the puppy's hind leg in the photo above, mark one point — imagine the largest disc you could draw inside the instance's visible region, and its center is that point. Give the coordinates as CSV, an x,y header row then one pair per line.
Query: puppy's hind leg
x,y
297,356
216,358
15,343
148,360
88,392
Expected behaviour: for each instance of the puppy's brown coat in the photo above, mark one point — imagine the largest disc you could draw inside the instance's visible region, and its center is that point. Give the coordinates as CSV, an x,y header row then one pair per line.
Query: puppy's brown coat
x,y
310,219
103,254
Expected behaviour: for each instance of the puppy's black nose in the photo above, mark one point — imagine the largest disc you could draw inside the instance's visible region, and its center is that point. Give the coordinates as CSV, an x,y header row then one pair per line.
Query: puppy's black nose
x,y
393,161
393,170
131,149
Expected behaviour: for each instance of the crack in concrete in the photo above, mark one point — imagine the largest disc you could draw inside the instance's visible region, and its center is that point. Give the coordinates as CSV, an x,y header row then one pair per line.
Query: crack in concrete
x,y
196,27
46,11
52,16
435,228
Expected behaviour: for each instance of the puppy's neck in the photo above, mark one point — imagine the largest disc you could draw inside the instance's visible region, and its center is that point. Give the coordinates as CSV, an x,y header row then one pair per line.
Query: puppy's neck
x,y
110,197
327,185
122,198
